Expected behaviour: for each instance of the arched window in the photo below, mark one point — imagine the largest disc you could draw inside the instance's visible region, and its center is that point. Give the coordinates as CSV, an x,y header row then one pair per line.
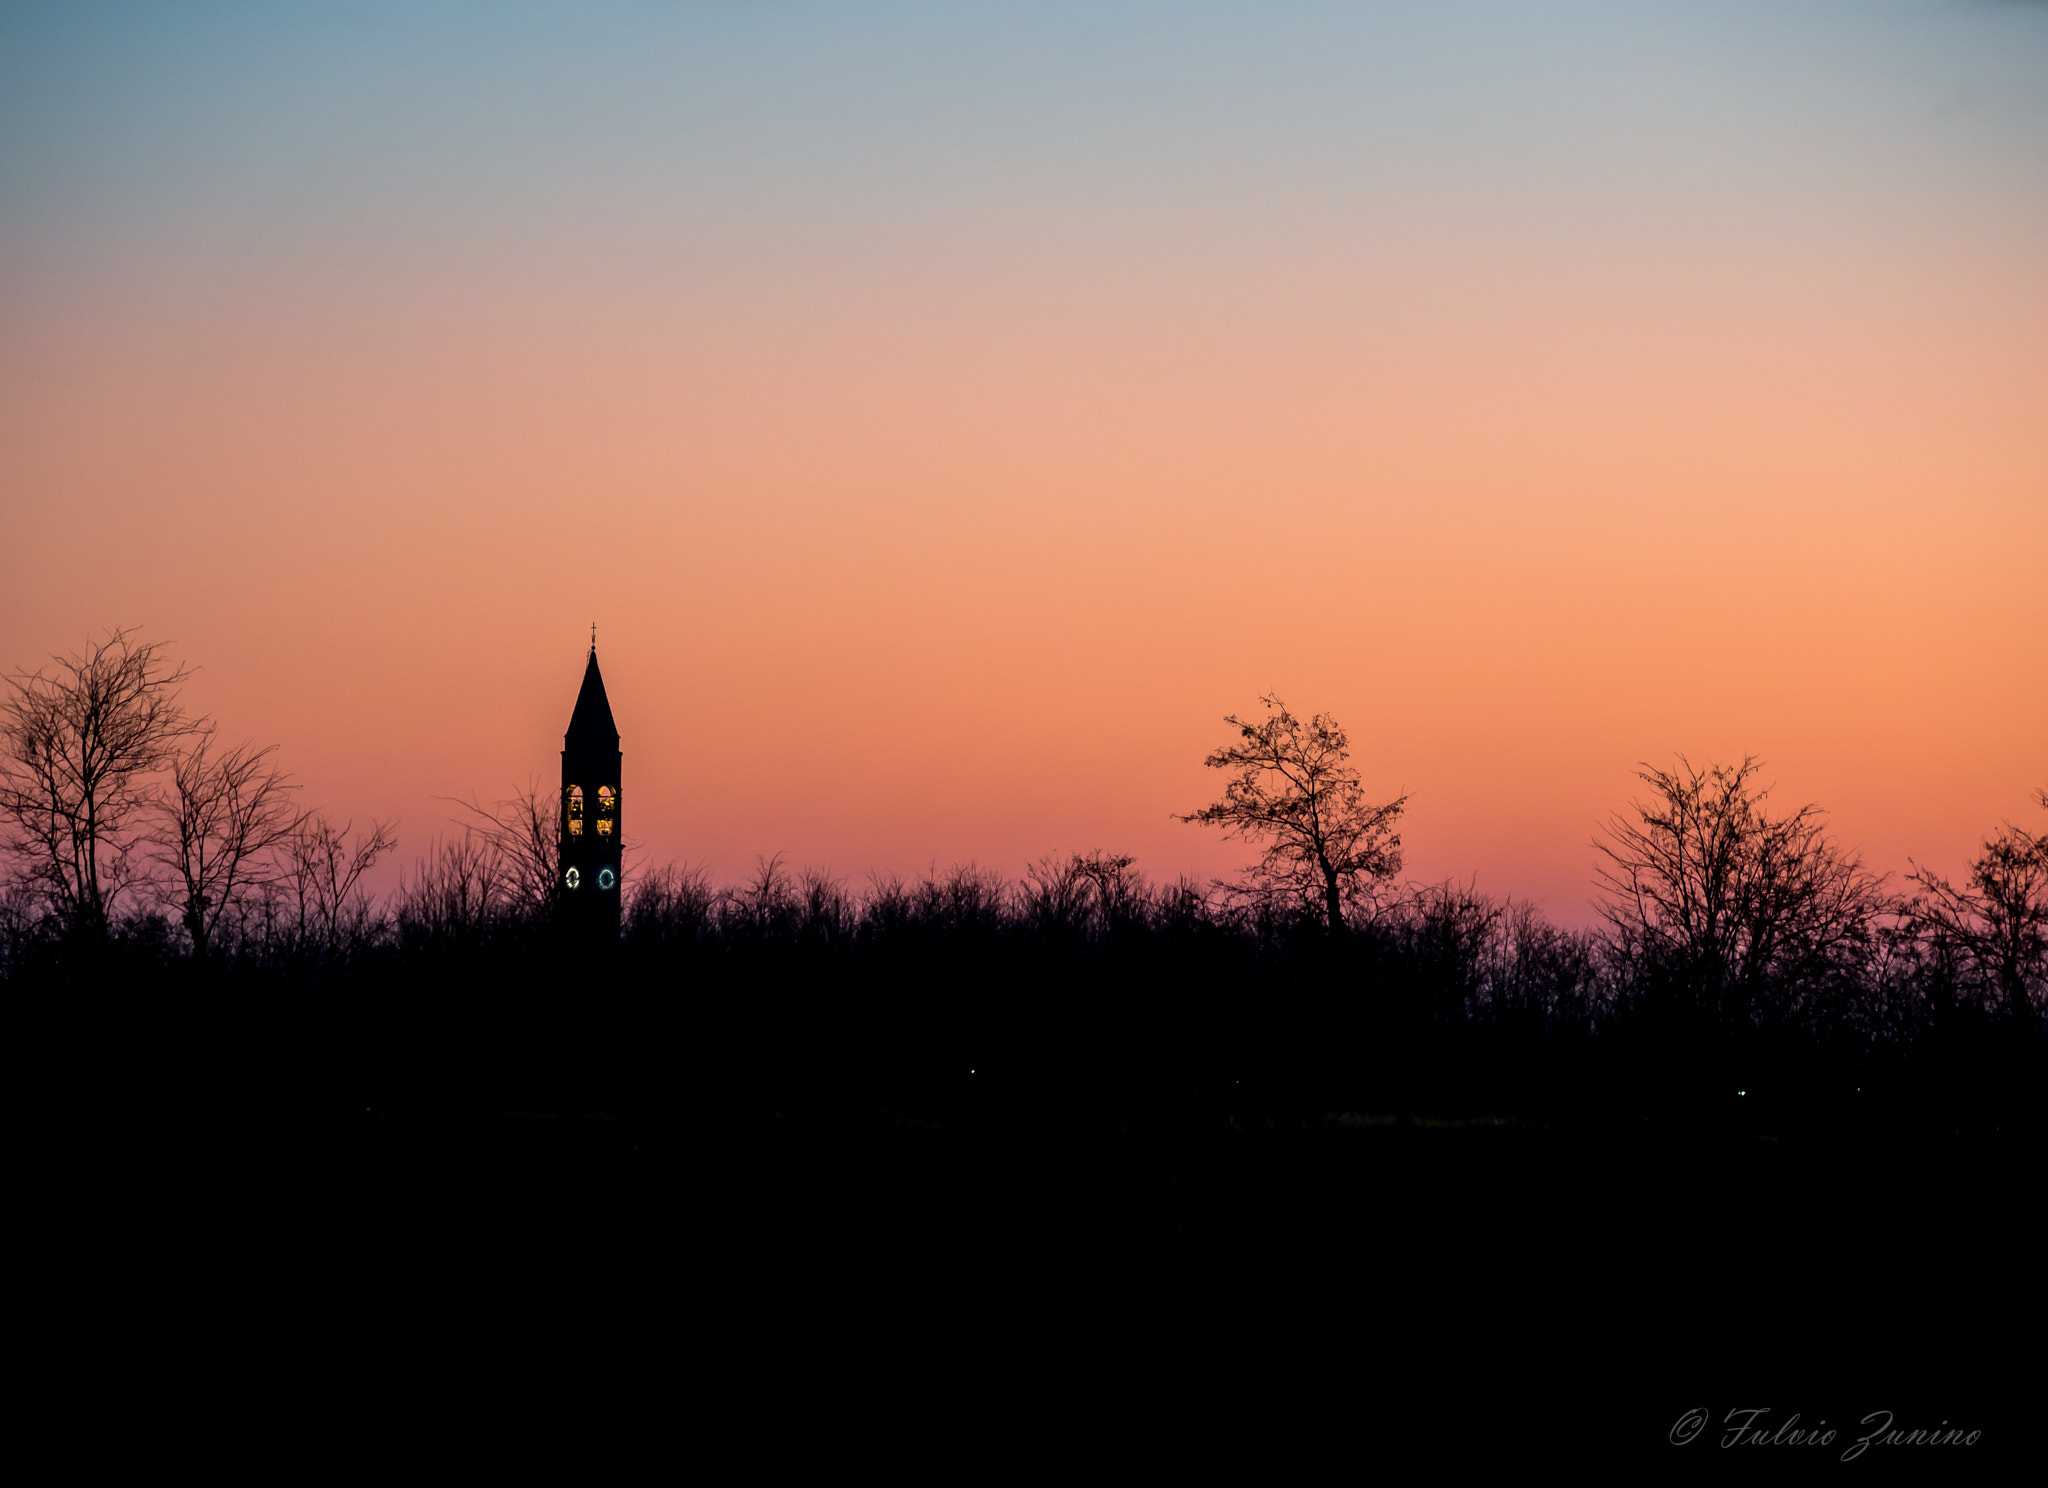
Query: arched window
x,y
574,813
607,806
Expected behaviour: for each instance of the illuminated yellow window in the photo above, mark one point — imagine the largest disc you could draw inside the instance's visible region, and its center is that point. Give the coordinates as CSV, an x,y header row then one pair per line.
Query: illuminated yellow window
x,y
573,811
604,826
607,798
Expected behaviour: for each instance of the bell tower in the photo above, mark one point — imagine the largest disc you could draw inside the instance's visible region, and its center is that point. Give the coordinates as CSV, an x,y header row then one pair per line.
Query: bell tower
x,y
591,862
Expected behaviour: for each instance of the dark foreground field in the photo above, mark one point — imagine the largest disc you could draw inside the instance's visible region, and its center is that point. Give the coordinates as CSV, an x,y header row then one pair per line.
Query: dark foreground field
x,y
867,1283
1237,1201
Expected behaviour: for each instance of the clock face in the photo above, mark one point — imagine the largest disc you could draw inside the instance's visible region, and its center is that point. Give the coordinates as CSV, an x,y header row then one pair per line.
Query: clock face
x,y
573,877
605,877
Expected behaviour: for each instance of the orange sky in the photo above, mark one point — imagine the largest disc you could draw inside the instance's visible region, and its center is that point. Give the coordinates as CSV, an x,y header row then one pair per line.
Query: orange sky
x,y
950,527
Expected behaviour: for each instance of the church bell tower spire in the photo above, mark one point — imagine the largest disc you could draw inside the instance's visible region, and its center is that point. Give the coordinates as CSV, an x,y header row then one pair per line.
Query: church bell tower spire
x,y
592,865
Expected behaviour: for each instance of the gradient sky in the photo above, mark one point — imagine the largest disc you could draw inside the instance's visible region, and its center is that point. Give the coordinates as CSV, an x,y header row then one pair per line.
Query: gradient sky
x,y
948,412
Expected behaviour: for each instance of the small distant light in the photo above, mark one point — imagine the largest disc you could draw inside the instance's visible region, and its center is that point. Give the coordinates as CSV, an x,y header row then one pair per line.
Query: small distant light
x,y
1742,1092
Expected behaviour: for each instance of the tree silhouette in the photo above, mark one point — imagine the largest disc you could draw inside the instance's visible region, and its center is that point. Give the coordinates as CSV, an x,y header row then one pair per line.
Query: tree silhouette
x,y
322,870
526,834
2000,916
1744,910
220,818
80,744
1293,791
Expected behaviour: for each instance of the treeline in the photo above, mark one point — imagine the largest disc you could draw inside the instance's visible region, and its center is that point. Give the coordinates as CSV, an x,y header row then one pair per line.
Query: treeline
x,y
1083,992
1747,967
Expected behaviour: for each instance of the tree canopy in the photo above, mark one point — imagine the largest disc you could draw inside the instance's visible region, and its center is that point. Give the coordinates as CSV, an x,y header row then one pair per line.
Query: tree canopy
x,y
1292,789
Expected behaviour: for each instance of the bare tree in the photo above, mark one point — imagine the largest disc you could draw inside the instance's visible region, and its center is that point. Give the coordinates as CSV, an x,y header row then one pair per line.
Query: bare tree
x,y
1056,893
1747,910
320,874
525,834
455,893
221,816
81,742
20,925
1063,896
2000,917
673,904
1292,789
1121,893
